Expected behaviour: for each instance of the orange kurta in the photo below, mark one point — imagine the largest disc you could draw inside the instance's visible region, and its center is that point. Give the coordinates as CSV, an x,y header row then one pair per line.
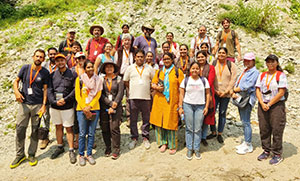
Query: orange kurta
x,y
164,114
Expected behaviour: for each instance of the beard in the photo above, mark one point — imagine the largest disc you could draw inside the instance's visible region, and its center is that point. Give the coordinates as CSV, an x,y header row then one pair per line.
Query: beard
x,y
37,63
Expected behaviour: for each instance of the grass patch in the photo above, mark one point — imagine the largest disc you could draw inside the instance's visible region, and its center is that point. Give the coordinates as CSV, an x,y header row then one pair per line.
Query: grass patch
x,y
295,8
254,18
290,68
7,84
11,126
259,64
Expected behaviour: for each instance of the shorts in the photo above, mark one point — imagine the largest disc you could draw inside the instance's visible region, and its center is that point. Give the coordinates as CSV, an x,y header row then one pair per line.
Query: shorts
x,y
64,117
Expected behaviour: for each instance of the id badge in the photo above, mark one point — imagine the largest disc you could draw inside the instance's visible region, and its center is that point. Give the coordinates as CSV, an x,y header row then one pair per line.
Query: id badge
x,y
58,96
110,97
224,45
29,90
268,97
149,49
141,81
220,83
87,101
95,52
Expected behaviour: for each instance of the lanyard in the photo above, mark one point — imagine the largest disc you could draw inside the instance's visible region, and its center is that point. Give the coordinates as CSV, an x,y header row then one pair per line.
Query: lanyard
x,y
225,36
97,44
221,71
182,64
127,54
197,40
50,68
241,77
72,60
108,84
268,85
140,73
30,78
148,42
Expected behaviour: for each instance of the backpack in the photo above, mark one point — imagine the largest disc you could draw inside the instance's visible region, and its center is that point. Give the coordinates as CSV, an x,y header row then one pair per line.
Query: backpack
x,y
232,34
176,72
89,46
278,73
214,63
209,43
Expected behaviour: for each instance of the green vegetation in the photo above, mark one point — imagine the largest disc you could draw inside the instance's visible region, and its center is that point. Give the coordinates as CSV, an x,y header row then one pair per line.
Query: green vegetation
x,y
253,18
259,64
11,126
7,84
290,68
295,8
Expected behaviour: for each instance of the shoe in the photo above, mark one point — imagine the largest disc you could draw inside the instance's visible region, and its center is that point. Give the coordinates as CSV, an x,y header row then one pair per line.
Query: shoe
x,y
265,155
163,148
32,160
82,160
240,146
76,146
18,160
58,151
246,148
276,159
72,156
198,155
211,136
91,160
107,152
115,156
94,146
132,144
146,143
204,142
220,139
172,151
189,154
44,144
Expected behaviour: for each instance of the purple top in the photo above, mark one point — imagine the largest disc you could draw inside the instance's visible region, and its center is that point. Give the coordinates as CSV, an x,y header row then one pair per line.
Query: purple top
x,y
141,43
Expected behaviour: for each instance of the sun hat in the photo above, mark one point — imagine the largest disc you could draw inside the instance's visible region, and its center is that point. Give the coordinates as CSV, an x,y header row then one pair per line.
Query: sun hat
x,y
102,68
249,56
148,26
96,26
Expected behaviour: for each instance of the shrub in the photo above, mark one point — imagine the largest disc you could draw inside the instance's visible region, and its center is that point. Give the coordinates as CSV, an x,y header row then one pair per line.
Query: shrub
x,y
253,18
290,68
6,10
295,8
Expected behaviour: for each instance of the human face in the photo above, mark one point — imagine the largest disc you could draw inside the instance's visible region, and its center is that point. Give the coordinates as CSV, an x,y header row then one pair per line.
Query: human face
x,y
126,42
202,31
108,48
166,48
167,61
169,37
149,57
148,32
183,51
249,63
51,55
75,49
97,32
60,63
201,59
125,29
80,61
222,55
226,25
109,69
89,69
38,58
71,36
204,48
272,64
195,70
139,59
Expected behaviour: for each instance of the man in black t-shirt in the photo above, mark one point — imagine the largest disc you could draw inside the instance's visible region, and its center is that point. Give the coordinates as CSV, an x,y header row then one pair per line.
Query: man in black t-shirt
x,y
32,100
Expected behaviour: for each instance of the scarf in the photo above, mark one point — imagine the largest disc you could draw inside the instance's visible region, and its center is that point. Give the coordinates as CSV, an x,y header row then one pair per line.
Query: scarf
x,y
167,82
94,85
205,71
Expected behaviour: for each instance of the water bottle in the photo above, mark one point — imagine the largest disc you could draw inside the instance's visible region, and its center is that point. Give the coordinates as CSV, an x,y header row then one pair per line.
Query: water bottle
x,y
182,117
114,112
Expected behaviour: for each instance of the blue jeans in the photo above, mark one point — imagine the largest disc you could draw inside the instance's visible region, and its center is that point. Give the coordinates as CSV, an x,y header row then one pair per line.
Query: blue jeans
x,y
204,131
222,104
245,114
86,128
193,116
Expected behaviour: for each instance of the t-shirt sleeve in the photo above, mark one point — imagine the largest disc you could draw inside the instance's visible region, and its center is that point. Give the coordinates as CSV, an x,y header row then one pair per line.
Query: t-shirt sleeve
x,y
127,74
182,84
193,43
258,81
46,77
282,81
206,84
155,45
136,42
22,71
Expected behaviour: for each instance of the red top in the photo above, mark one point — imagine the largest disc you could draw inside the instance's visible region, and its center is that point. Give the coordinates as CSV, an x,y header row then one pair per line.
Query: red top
x,y
94,48
210,117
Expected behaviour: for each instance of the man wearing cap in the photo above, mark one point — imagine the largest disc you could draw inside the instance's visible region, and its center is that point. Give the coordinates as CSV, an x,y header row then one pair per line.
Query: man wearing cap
x,y
61,96
32,100
65,46
198,40
146,42
95,45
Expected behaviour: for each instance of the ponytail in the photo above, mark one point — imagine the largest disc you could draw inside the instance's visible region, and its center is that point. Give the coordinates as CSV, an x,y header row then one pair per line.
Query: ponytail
x,y
278,68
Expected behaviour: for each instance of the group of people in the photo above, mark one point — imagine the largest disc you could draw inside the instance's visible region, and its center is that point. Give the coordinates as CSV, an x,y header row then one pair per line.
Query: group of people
x,y
78,91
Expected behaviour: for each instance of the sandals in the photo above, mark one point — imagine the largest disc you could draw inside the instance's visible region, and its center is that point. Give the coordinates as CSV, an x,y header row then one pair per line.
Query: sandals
x,y
163,148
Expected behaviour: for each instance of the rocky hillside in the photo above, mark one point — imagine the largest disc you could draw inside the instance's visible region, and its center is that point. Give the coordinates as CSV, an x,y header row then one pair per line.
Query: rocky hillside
x,y
182,17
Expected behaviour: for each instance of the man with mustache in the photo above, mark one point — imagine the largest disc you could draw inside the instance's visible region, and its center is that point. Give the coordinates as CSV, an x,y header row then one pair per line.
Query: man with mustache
x,y
65,46
198,40
32,103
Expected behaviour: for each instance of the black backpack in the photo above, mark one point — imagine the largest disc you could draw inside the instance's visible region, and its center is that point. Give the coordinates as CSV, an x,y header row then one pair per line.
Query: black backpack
x,y
214,63
233,37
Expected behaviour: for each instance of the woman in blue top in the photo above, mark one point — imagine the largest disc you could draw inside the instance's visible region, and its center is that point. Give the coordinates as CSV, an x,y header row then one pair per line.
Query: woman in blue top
x,y
103,57
246,82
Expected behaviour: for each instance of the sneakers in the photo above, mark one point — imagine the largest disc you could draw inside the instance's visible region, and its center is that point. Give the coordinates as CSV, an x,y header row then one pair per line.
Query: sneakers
x,y
276,159
17,161
163,148
72,156
146,143
114,156
265,155
44,144
211,136
91,160
189,154
32,160
107,152
245,148
58,151
198,155
241,145
220,139
132,144
82,160
204,142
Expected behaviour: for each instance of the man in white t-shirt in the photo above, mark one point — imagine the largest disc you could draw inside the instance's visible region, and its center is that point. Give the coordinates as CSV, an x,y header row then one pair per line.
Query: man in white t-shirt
x,y
201,38
138,78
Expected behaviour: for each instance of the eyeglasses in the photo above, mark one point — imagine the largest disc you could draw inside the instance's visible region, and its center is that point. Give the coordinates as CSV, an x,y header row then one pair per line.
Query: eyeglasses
x,y
82,58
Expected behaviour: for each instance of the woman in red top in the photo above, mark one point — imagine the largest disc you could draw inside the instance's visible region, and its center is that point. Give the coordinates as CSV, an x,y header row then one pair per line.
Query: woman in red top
x,y
208,71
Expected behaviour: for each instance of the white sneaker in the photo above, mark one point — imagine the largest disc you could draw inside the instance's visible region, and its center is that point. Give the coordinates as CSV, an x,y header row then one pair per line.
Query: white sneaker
x,y
146,144
247,148
132,144
241,145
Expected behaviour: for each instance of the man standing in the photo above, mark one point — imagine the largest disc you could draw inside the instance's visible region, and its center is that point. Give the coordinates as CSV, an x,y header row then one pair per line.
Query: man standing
x,y
95,45
146,42
138,77
198,40
65,46
229,39
61,94
32,99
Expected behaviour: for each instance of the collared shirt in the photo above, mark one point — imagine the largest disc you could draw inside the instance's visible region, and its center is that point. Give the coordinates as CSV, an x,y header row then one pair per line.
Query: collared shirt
x,y
61,85
47,66
196,42
95,48
125,64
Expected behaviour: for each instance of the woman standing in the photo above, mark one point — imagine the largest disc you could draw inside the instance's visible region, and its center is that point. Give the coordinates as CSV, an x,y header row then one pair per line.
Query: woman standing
x,y
183,62
194,91
205,47
270,91
164,113
111,108
87,93
106,56
149,60
246,83
174,47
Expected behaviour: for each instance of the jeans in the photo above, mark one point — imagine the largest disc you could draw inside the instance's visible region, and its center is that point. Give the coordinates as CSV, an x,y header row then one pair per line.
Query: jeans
x,y
222,103
204,131
193,115
86,128
245,114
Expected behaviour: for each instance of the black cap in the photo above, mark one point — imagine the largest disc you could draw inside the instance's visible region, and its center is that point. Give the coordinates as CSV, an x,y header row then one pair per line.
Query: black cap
x,y
272,57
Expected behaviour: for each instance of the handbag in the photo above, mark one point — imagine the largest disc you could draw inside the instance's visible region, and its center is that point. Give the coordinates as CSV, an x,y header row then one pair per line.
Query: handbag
x,y
242,100
43,132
